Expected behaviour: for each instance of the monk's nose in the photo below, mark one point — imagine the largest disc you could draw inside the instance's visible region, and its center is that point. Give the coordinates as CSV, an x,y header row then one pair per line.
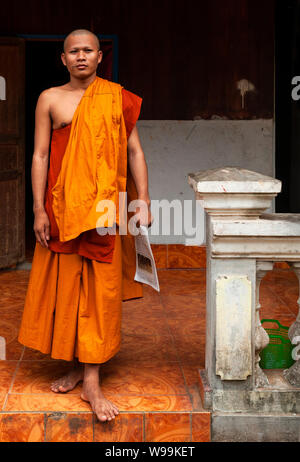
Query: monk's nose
x,y
81,55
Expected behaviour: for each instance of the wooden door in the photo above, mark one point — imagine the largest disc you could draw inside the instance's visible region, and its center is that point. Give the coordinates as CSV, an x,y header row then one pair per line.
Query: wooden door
x,y
12,151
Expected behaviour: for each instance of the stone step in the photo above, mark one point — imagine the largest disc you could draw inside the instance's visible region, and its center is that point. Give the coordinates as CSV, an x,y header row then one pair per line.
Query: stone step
x,y
85,427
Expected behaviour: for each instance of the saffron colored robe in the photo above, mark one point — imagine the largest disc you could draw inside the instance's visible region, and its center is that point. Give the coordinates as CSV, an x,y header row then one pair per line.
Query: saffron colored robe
x,y
73,305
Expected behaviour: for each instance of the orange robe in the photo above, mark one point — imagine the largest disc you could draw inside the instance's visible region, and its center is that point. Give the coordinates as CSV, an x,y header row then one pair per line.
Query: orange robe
x,y
89,244
75,292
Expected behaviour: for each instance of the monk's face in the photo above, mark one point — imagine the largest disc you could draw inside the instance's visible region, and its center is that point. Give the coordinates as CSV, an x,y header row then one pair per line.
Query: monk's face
x,y
81,55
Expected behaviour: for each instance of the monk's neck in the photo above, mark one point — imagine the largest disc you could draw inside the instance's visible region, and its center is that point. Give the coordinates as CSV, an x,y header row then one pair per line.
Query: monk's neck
x,y
77,84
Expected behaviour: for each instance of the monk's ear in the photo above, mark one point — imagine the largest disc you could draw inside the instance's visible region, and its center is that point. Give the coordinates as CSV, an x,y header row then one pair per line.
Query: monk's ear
x,y
100,56
63,58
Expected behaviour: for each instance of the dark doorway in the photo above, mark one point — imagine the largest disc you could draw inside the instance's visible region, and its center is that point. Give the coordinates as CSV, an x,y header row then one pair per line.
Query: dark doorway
x,y
287,110
44,69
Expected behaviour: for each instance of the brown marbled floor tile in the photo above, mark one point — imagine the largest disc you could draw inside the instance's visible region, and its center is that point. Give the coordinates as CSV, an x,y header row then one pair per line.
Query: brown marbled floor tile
x,y
183,256
275,304
275,312
23,428
30,354
173,276
46,403
2,400
147,348
188,282
183,284
162,427
14,350
195,396
61,427
189,338
265,293
14,276
139,323
288,297
279,275
14,285
11,312
192,355
160,255
37,376
268,296
142,307
7,369
149,295
284,321
185,306
146,379
12,294
281,265
124,428
192,328
190,373
201,427
281,287
187,290
10,318
164,403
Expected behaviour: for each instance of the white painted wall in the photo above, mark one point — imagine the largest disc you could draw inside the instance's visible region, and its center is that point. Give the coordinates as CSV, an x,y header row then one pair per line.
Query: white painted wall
x,y
175,148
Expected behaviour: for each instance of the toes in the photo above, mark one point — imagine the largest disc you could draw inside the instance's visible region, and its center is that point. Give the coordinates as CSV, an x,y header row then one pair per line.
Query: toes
x,y
115,409
111,413
105,415
108,414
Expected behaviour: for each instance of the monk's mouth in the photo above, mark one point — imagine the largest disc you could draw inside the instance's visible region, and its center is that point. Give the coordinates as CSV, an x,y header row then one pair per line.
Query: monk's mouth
x,y
81,66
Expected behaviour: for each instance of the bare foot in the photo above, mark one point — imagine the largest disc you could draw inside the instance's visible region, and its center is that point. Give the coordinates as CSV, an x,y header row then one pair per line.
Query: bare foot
x,y
68,381
102,407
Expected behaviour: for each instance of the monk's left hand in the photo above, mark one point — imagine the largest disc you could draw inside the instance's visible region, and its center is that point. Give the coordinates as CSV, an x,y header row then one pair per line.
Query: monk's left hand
x,y
144,217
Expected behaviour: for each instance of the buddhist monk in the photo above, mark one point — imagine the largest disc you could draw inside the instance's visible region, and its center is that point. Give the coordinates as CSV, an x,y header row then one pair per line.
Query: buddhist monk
x,y
79,276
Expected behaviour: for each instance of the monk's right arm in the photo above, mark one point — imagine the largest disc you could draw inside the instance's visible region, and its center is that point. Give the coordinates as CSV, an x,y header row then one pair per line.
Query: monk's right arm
x,y
39,168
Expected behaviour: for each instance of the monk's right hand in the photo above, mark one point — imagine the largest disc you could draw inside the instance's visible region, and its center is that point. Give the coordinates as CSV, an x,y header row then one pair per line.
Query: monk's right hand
x,y
41,227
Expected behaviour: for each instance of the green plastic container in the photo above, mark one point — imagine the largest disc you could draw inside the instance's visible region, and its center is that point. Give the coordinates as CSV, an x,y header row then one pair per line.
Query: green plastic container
x,y
278,354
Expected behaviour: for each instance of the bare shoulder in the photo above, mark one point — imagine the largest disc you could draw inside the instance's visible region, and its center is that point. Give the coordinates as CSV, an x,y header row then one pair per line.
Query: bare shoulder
x,y
51,94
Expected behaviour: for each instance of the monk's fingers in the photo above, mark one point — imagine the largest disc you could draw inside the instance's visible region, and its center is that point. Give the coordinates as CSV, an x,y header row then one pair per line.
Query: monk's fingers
x,y
47,232
38,238
136,219
43,236
40,235
43,239
151,220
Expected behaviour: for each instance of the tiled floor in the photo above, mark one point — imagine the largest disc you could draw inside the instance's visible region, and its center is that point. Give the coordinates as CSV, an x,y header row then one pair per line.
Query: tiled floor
x,y
153,379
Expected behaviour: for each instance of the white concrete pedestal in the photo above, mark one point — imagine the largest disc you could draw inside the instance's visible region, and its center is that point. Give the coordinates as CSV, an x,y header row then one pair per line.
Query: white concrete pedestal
x,y
242,244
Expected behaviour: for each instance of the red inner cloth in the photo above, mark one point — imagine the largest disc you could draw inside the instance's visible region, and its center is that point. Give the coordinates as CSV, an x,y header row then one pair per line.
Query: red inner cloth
x,y
88,244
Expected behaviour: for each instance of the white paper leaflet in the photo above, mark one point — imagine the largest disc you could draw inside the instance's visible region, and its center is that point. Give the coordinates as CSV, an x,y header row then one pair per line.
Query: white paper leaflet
x,y
145,264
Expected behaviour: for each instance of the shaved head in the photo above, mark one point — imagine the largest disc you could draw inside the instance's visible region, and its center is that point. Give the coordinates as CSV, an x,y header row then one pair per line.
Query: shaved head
x,y
77,32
